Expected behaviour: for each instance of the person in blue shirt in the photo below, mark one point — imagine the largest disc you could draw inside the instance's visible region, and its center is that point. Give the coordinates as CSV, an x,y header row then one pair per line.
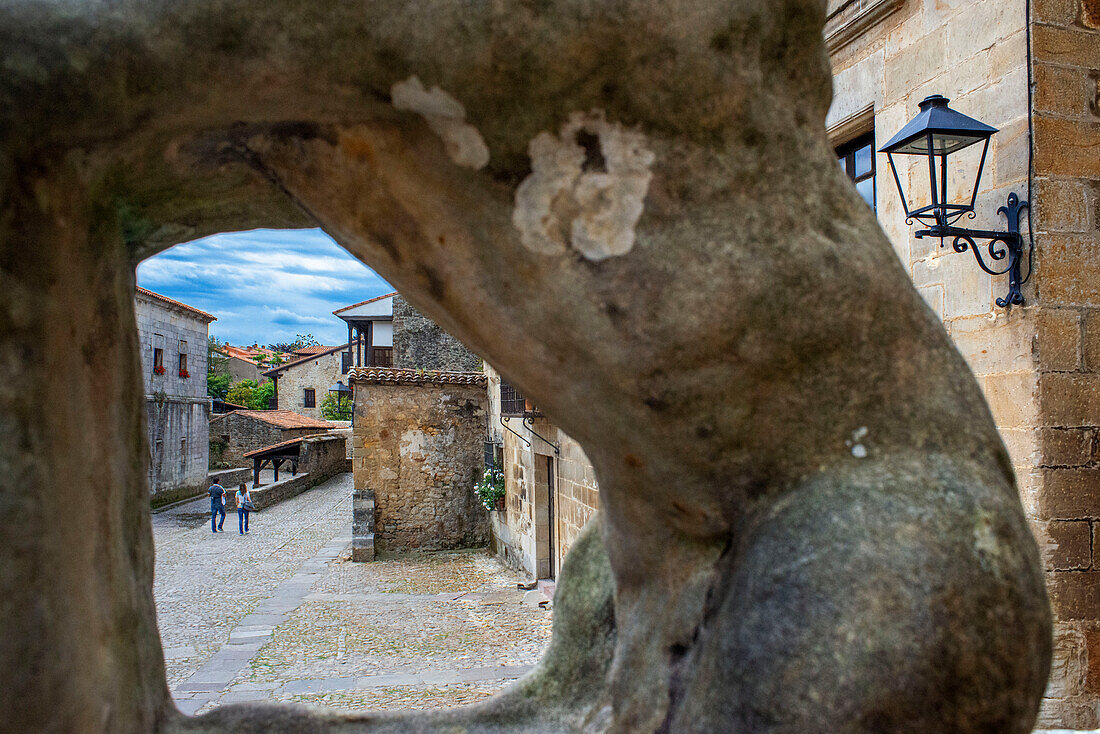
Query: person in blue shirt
x,y
217,505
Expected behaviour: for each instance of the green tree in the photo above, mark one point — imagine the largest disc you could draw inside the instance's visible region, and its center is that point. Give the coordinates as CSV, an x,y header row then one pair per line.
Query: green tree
x,y
217,386
251,395
300,341
335,408
217,369
241,393
261,396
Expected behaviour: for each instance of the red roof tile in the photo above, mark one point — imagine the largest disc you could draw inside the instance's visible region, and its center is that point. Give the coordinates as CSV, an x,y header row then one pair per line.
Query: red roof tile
x,y
315,350
281,418
291,442
397,376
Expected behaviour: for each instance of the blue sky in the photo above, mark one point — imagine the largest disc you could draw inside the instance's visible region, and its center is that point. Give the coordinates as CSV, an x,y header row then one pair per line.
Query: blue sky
x,y
265,285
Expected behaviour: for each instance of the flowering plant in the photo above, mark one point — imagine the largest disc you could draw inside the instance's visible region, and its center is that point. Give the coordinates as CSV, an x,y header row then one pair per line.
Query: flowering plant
x,y
158,370
490,487
184,373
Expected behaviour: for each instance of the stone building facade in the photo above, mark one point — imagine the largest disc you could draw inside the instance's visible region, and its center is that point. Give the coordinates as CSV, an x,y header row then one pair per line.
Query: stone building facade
x,y
550,488
1034,77
418,441
419,343
172,338
238,432
301,385
242,369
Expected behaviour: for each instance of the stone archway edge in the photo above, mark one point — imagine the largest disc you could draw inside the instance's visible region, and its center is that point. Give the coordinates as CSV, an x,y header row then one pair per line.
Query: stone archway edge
x,y
633,211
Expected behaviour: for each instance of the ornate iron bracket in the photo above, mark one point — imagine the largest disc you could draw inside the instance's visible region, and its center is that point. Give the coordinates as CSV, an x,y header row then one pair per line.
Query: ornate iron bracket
x,y
1011,248
504,422
531,427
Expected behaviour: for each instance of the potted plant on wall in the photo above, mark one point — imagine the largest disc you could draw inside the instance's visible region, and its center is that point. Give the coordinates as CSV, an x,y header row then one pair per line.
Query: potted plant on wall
x,y
490,488
158,370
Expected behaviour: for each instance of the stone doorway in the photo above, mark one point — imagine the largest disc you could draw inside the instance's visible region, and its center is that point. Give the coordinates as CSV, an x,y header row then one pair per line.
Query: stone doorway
x,y
547,557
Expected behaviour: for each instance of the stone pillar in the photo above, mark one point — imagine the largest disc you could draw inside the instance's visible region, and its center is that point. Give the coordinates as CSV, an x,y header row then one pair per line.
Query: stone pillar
x,y
362,525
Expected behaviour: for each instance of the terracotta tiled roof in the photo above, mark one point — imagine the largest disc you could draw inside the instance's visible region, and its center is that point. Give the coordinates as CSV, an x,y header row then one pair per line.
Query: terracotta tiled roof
x,y
363,303
248,353
280,418
237,352
165,299
315,350
396,376
302,360
280,445
284,444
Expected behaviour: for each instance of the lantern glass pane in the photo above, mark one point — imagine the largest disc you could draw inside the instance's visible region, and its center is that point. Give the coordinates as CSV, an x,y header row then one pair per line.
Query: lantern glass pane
x,y
963,167
941,143
914,177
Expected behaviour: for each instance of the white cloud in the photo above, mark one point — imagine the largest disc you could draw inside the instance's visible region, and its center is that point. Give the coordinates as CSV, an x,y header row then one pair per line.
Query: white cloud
x,y
265,285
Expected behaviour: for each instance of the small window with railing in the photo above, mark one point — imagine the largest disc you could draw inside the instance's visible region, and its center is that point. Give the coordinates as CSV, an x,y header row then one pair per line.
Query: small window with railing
x,y
310,398
512,401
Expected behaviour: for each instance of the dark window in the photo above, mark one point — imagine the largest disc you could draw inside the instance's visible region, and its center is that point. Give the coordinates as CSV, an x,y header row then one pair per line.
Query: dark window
x,y
512,401
310,398
857,160
158,357
345,362
183,363
382,357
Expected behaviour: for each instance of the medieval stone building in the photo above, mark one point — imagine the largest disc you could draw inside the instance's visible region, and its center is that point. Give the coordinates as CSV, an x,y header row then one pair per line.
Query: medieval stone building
x,y
302,383
173,337
1035,79
550,485
236,433
419,432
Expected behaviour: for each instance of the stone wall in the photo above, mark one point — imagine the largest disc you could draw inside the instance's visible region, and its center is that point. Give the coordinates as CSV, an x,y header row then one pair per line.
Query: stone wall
x,y
236,435
418,448
1066,120
1039,365
242,369
321,458
419,343
177,409
318,374
176,331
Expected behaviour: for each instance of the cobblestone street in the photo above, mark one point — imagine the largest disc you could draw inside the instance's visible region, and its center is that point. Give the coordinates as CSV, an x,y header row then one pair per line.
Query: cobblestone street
x,y
282,613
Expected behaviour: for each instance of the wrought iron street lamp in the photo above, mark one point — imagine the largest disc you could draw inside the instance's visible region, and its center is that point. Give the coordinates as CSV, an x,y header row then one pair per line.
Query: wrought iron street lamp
x,y
937,132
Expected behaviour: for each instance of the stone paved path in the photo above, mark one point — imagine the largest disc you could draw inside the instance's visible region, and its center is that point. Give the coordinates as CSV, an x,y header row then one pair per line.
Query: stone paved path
x,y
282,613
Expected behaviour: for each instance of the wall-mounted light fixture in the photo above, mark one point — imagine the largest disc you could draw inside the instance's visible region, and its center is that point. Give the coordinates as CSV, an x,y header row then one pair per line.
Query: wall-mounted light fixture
x,y
937,132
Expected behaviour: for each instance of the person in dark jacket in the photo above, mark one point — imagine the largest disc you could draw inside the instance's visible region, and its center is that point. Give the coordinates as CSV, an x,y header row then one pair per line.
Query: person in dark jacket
x,y
217,506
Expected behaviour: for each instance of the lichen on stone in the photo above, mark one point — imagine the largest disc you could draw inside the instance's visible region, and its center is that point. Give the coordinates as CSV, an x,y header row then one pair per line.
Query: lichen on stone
x,y
586,190
446,117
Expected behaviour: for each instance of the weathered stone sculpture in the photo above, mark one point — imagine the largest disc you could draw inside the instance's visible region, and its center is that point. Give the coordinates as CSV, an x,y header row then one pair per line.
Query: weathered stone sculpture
x,y
631,208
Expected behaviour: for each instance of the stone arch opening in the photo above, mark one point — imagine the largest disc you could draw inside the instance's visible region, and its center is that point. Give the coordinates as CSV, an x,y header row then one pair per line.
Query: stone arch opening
x,y
373,635
747,562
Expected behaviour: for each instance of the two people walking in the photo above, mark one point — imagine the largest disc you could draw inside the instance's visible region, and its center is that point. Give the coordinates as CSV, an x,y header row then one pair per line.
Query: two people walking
x,y
217,507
